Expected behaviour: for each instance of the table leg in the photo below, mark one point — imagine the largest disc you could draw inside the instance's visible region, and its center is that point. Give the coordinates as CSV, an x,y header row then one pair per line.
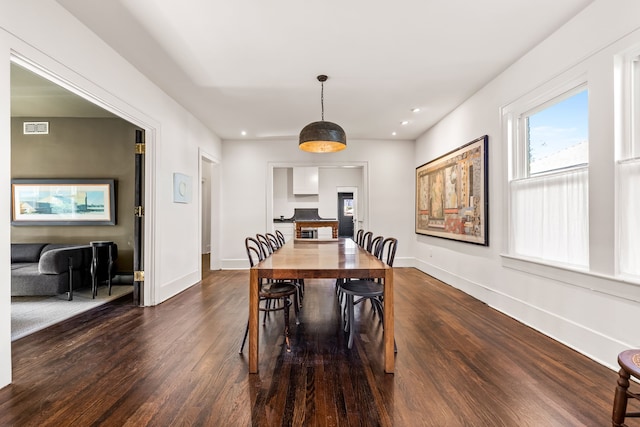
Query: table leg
x,y
389,356
253,321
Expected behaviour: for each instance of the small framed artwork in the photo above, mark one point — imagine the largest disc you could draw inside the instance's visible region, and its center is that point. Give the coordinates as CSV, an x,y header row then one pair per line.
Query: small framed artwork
x,y
181,188
452,195
63,202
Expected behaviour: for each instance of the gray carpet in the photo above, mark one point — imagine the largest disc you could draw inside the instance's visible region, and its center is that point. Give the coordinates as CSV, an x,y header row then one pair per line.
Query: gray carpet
x,y
31,314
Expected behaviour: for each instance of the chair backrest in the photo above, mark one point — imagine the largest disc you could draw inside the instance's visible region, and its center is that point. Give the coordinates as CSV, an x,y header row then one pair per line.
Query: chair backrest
x,y
359,235
366,239
267,249
280,237
387,250
273,240
374,246
254,251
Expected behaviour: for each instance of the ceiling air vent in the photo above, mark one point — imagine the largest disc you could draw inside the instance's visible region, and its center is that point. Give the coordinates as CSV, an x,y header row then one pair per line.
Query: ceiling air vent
x,y
36,128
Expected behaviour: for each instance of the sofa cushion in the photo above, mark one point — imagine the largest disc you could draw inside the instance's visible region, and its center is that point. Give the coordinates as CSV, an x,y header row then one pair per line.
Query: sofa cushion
x,y
26,252
25,269
31,283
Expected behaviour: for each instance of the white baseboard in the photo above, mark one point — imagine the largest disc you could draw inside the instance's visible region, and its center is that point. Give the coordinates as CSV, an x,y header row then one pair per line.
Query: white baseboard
x,y
173,288
580,338
234,264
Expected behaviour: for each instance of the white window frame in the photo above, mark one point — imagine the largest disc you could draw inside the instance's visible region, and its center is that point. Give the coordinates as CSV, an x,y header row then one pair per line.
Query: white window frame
x,y
627,89
514,131
627,82
522,162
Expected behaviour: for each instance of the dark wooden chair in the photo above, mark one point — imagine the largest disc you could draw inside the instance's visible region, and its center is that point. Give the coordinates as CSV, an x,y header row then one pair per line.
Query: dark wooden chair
x,y
374,245
280,237
265,245
367,289
366,239
359,235
629,361
275,295
272,243
273,240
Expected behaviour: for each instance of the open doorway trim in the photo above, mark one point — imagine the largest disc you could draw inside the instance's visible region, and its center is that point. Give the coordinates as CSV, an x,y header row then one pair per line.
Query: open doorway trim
x,y
204,157
357,222
363,194
55,72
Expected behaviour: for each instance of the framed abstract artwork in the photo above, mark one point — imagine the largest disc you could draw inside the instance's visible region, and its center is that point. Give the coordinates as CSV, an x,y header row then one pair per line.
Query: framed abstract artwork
x,y
181,188
452,195
63,202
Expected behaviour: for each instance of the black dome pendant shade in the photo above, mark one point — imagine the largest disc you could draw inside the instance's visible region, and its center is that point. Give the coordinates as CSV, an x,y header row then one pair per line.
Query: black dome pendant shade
x,y
322,136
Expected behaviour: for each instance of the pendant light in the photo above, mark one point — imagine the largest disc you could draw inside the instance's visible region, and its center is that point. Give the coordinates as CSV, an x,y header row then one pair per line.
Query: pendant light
x,y
322,137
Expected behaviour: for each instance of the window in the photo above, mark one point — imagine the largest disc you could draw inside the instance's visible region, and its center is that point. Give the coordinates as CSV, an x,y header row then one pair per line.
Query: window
x,y
556,136
634,111
347,207
548,189
628,171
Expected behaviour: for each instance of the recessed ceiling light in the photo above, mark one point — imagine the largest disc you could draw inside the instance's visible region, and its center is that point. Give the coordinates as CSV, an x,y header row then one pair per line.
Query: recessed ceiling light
x,y
415,110
394,133
405,122
244,133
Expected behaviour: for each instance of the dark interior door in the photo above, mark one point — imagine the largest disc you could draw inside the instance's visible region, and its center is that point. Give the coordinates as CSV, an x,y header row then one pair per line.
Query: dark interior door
x,y
138,227
345,214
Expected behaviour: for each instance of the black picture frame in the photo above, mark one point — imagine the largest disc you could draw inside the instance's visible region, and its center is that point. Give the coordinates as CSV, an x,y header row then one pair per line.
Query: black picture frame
x,y
63,202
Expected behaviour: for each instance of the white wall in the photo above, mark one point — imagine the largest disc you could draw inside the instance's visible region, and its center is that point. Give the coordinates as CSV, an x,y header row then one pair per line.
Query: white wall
x,y
593,313
245,180
5,196
44,33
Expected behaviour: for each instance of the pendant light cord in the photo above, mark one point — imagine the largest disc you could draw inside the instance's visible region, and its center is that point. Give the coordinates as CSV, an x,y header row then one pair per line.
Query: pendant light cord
x,y
322,99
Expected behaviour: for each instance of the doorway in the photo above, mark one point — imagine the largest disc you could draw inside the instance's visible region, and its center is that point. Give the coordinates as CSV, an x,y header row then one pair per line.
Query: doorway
x,y
205,197
81,129
209,175
346,212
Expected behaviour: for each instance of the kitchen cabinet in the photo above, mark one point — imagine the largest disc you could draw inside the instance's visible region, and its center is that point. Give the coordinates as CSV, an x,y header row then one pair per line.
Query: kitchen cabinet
x,y
305,180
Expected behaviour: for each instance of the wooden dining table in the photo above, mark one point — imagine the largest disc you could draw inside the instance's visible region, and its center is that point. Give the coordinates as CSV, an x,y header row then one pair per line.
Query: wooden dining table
x,y
340,258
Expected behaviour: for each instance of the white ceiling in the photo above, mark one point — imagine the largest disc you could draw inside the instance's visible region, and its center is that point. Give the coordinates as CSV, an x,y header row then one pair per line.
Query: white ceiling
x,y
252,64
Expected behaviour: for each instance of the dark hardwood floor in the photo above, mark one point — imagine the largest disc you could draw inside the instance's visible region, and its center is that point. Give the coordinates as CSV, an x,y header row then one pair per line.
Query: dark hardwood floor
x,y
459,363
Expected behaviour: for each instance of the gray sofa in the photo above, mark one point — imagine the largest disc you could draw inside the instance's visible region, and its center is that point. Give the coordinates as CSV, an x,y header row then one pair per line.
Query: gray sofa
x,y
49,269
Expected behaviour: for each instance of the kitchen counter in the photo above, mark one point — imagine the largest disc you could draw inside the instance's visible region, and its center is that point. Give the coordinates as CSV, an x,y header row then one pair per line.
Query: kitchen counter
x,y
316,223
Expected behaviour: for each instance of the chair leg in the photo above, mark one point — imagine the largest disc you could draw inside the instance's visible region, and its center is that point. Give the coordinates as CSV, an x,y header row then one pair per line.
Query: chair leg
x,y
299,295
620,399
376,304
378,307
244,339
267,306
296,307
286,303
351,311
345,313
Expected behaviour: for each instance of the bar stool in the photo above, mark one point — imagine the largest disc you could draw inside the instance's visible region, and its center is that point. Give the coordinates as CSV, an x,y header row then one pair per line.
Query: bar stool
x,y
629,361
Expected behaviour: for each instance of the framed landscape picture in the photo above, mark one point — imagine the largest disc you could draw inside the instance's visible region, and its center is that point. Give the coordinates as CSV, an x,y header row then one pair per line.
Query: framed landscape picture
x,y
452,195
63,202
